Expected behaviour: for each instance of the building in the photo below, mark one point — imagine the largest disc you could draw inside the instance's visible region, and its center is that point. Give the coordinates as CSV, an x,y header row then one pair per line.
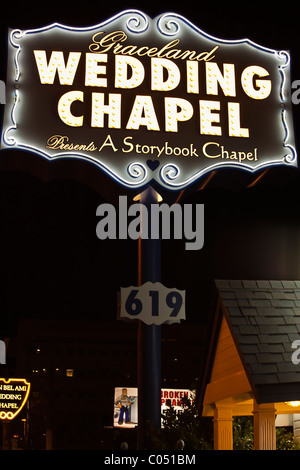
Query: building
x,y
252,368
75,366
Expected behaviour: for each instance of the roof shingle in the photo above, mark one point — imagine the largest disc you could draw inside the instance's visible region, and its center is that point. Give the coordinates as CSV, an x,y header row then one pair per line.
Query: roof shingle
x,y
265,320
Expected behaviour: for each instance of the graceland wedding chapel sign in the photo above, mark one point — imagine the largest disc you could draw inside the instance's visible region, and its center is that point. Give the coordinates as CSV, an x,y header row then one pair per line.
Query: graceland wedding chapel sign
x,y
146,99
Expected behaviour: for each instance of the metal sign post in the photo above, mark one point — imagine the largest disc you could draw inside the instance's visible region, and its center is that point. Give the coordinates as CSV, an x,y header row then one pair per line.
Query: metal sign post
x,y
149,336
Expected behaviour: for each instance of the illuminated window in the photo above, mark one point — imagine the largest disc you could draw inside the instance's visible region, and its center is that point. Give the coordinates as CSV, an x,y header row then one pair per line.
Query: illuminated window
x,y
69,372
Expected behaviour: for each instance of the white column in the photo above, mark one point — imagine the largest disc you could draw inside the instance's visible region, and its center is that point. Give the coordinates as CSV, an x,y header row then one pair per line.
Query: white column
x,y
223,439
264,426
296,424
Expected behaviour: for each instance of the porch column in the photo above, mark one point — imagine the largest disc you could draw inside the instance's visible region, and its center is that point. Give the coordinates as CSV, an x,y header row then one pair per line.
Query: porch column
x,y
296,425
223,439
264,426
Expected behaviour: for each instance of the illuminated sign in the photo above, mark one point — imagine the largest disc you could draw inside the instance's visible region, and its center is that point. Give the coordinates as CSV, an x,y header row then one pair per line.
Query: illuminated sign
x,y
125,407
146,99
126,404
13,396
174,398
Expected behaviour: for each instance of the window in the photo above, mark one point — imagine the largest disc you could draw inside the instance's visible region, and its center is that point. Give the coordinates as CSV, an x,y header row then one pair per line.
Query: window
x,y
69,372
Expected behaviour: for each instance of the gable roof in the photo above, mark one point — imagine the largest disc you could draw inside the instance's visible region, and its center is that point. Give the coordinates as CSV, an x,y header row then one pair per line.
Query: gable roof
x,y
264,320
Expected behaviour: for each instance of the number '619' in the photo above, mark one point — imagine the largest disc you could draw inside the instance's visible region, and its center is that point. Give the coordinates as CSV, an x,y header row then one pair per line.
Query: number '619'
x,y
134,305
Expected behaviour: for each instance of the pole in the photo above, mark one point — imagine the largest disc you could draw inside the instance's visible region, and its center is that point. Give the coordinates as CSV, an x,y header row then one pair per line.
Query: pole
x,y
149,336
6,434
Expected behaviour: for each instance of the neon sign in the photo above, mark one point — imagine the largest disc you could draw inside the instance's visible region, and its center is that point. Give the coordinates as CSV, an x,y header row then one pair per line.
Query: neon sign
x,y
13,396
146,99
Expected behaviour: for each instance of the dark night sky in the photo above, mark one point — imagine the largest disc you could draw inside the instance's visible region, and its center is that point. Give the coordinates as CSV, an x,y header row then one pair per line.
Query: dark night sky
x,y
52,263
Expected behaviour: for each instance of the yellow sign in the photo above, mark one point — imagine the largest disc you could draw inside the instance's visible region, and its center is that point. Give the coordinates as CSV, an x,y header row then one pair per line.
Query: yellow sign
x,y
13,396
